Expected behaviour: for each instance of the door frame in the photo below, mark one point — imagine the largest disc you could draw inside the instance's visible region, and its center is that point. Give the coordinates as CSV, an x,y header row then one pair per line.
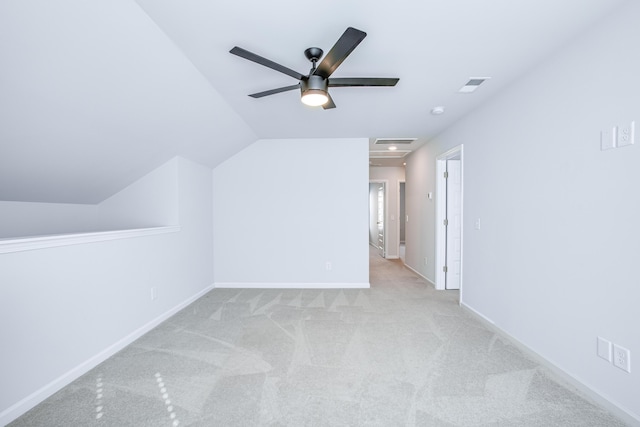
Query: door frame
x,y
441,212
400,182
386,211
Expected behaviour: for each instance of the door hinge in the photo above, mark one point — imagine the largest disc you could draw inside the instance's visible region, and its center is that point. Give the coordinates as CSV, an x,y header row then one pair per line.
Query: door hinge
x,y
445,269
446,174
446,222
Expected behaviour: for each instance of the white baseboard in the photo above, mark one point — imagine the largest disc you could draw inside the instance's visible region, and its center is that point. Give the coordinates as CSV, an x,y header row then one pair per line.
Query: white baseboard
x,y
559,375
19,408
482,316
392,257
415,271
270,285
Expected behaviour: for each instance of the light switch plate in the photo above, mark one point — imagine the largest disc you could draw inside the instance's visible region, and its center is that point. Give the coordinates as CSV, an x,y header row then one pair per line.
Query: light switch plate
x,y
608,139
604,349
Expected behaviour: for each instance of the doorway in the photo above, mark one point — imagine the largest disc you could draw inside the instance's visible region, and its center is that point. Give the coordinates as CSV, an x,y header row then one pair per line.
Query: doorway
x,y
377,216
449,215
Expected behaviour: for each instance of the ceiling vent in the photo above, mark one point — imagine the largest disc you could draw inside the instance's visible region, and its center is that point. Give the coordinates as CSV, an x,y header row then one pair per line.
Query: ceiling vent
x,y
397,154
394,141
473,84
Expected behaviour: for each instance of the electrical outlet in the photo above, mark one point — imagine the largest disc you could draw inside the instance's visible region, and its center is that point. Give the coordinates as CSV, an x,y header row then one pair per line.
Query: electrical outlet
x,y
477,225
425,260
154,293
327,266
626,134
622,358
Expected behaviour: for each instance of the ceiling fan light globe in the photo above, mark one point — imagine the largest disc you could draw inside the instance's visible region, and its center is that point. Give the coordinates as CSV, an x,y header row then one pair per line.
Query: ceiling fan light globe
x,y
314,97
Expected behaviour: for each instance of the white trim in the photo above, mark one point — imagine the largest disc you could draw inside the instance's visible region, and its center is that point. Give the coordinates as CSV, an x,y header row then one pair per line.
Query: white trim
x,y
419,274
441,213
393,257
386,213
398,215
477,313
42,242
21,407
557,373
461,222
275,285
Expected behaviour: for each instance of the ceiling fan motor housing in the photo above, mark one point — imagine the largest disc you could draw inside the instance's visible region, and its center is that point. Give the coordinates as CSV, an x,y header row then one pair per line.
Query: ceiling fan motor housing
x,y
314,83
314,91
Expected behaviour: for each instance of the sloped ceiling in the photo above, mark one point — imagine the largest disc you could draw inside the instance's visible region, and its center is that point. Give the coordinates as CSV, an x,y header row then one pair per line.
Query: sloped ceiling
x,y
96,94
93,95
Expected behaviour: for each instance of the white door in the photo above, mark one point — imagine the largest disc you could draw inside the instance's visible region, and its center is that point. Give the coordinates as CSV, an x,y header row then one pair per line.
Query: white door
x,y
402,221
454,224
381,219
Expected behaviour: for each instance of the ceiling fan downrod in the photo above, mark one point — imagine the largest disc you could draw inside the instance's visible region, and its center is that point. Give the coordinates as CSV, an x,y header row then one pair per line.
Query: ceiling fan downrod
x,y
313,54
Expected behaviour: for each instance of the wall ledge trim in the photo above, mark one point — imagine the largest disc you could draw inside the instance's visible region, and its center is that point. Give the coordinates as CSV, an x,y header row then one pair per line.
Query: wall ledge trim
x,y
292,285
557,373
20,244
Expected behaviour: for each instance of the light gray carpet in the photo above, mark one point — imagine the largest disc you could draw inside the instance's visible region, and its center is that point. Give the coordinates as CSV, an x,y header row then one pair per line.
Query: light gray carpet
x,y
398,354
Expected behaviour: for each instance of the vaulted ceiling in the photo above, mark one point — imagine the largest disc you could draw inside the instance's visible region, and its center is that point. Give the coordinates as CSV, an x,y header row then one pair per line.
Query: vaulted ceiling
x,y
93,95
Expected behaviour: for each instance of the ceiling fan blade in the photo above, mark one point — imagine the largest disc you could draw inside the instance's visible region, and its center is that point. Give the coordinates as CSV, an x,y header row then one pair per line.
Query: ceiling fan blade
x,y
362,81
339,52
266,62
274,91
329,104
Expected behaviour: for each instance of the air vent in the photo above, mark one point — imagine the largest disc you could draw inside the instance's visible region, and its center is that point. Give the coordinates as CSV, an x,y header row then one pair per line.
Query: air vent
x,y
473,84
398,154
394,141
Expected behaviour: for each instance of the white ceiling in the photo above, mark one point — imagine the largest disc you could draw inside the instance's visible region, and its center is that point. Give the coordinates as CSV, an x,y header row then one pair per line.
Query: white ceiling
x,y
96,94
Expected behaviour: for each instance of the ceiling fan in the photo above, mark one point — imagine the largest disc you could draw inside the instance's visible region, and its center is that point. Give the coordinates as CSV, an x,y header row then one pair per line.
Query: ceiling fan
x,y
315,86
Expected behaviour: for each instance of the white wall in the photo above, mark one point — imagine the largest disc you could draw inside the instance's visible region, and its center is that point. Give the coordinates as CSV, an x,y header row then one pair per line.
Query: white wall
x,y
420,229
151,202
284,208
555,263
62,308
21,219
392,176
